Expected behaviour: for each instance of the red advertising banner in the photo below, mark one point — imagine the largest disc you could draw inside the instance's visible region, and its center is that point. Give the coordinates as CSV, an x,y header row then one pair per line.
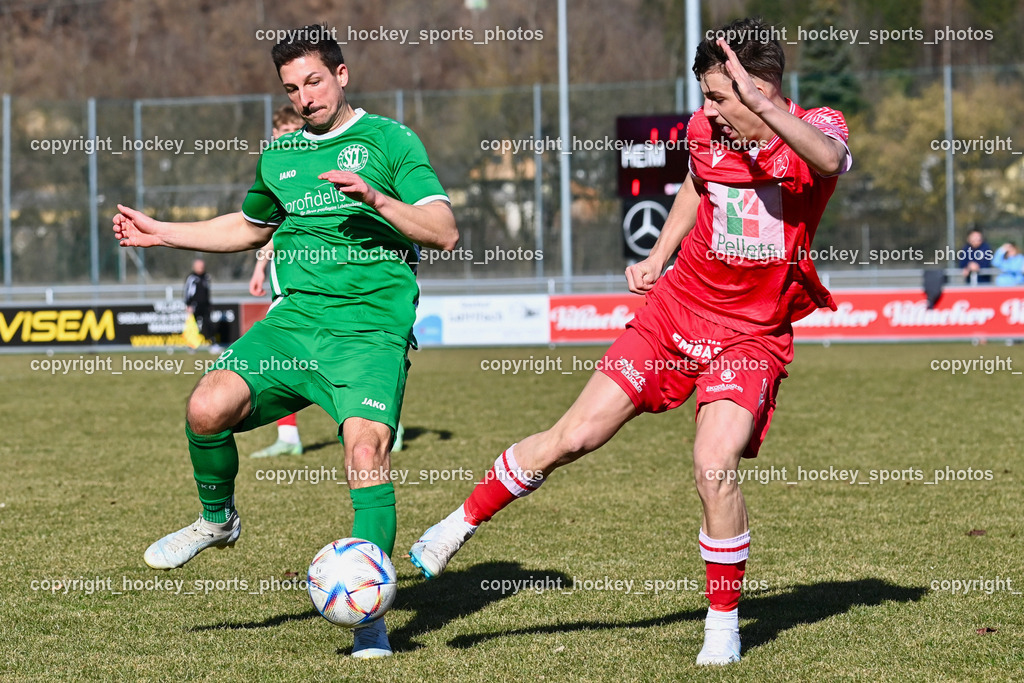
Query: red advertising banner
x,y
582,318
251,312
963,313
982,312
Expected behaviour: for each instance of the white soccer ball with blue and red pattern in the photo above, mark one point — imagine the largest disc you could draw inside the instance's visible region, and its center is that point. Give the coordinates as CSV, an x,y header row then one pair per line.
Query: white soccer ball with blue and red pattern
x,y
352,582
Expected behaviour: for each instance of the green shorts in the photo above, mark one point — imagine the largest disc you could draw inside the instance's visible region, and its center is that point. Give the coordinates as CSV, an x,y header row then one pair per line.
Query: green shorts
x,y
292,358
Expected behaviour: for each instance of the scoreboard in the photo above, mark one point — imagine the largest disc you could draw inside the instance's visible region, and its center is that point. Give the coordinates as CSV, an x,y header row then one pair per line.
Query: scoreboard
x,y
653,154
653,162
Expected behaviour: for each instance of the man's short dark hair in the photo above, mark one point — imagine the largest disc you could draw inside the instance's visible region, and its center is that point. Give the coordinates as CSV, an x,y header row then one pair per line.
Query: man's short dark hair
x,y
755,45
312,40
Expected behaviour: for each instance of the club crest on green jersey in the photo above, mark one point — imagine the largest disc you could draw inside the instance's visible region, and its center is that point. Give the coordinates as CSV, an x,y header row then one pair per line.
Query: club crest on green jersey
x,y
353,158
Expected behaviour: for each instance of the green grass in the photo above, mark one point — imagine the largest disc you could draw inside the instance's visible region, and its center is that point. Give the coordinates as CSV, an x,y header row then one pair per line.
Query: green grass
x,y
96,467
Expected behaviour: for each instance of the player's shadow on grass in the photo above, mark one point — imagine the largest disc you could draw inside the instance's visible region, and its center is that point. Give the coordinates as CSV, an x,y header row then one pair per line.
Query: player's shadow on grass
x,y
771,614
808,604
269,622
451,596
456,594
319,445
413,433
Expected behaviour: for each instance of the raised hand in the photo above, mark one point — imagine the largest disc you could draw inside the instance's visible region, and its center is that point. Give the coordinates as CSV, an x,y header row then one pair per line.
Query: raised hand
x,y
742,83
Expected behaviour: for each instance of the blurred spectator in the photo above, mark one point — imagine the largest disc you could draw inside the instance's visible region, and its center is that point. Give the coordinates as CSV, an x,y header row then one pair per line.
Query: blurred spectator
x,y
1010,262
197,301
976,255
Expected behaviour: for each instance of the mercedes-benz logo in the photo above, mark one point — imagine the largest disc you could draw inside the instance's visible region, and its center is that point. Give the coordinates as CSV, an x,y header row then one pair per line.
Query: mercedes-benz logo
x,y
642,225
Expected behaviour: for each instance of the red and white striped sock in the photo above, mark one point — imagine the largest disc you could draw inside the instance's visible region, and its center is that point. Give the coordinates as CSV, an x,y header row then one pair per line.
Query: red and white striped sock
x,y
503,483
725,562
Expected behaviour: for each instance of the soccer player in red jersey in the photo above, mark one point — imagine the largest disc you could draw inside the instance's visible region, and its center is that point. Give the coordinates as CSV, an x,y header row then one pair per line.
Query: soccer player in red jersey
x,y
719,323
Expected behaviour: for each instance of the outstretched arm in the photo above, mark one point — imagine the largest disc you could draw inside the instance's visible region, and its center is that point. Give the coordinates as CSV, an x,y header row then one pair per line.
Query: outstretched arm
x,y
827,156
230,232
429,225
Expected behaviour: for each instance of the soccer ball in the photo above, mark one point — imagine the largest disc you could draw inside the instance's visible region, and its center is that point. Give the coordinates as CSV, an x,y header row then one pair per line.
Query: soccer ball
x,y
352,582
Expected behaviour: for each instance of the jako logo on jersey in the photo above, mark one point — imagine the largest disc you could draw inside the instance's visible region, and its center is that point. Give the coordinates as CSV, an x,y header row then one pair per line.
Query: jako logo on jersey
x,y
374,404
287,174
353,158
728,375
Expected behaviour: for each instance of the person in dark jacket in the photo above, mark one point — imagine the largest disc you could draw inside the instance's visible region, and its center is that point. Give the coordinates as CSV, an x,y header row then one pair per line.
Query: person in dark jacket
x,y
197,300
975,256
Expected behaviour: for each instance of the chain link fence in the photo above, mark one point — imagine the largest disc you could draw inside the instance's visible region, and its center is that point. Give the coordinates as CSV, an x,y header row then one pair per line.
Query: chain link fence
x,y
66,165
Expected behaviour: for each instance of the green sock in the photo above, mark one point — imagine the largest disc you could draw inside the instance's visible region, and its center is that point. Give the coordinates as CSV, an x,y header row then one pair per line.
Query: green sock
x,y
375,518
215,466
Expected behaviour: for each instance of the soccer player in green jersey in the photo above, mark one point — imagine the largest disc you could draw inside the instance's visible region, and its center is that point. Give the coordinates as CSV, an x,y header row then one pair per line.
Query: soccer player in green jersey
x,y
285,120
348,200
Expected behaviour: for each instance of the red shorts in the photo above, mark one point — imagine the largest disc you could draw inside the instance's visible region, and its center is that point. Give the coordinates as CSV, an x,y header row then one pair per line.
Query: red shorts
x,y
667,351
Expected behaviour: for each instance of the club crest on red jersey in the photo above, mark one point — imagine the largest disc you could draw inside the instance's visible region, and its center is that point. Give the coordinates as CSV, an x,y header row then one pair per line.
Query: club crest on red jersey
x,y
781,166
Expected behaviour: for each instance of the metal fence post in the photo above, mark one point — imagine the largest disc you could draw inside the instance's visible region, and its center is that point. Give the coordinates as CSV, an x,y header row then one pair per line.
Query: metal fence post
x,y
94,218
140,187
947,91
538,181
5,180
268,117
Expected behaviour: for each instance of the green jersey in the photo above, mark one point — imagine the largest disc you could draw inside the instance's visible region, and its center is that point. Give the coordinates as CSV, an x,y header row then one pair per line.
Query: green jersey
x,y
328,244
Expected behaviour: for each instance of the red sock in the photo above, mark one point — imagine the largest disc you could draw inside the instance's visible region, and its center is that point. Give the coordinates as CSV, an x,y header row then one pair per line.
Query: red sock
x,y
723,585
288,421
502,484
725,562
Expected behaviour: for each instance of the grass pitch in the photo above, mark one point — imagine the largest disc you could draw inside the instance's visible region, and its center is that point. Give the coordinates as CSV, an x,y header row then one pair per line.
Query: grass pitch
x,y
917,577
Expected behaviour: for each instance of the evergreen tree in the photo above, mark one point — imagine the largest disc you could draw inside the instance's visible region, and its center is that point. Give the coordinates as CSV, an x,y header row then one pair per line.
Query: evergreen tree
x,y
826,78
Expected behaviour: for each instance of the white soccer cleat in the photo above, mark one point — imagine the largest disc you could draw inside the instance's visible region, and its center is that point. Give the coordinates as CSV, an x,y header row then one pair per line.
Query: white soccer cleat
x,y
439,543
721,639
371,641
279,447
174,550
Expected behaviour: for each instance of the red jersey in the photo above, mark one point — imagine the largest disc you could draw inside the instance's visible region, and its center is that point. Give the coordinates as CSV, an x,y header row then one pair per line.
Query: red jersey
x,y
745,263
